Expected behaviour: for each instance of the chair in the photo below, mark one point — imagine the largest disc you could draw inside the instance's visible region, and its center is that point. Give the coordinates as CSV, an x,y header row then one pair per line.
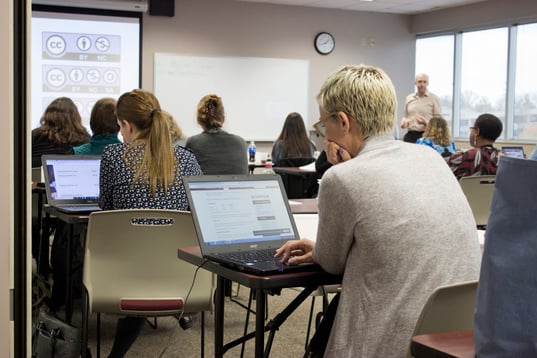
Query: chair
x,y
131,267
449,308
298,185
478,191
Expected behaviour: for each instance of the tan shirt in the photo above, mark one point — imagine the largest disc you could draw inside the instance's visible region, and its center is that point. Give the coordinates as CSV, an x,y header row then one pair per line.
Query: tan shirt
x,y
426,106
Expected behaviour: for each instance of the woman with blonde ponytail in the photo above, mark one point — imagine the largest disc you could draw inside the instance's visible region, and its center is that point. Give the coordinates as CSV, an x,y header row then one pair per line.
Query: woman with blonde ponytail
x,y
144,172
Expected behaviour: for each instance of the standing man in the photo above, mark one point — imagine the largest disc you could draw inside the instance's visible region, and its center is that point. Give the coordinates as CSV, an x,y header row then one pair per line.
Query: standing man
x,y
419,108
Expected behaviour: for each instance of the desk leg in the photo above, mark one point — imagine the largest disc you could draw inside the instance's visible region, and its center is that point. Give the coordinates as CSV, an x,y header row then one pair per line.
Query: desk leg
x,y
260,323
69,276
219,317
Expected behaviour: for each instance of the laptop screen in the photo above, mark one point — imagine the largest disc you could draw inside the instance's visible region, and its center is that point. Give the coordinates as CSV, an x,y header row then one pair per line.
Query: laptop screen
x,y
72,178
240,210
513,152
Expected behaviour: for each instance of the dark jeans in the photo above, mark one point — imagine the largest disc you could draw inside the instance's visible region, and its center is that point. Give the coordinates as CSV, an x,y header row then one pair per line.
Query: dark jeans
x,y
412,136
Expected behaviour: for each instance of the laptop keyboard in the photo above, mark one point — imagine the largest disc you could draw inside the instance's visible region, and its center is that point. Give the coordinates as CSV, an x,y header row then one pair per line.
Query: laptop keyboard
x,y
251,256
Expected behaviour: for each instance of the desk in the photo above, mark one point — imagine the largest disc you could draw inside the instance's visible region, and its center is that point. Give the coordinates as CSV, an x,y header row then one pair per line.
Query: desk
x,y
272,283
253,165
304,206
299,183
71,220
443,345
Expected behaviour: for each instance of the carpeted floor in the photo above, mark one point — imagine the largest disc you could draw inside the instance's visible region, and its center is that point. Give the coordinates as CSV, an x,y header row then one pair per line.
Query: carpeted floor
x,y
170,340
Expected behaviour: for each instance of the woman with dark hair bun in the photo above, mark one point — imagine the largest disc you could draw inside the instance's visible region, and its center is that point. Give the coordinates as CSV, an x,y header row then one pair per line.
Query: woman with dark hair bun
x,y
482,159
217,151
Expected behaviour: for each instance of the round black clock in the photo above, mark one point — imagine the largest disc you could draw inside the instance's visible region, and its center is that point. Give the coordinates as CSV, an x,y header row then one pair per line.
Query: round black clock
x,y
324,43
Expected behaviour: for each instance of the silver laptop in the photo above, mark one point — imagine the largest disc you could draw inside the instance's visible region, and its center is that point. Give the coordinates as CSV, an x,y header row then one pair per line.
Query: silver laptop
x,y
242,219
72,182
513,151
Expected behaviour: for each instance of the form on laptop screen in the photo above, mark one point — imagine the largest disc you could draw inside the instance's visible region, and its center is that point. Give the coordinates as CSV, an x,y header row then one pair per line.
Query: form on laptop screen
x,y
240,212
73,179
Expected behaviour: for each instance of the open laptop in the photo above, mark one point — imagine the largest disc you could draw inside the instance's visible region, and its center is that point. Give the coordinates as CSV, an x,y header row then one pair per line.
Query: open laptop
x,y
514,152
72,182
240,216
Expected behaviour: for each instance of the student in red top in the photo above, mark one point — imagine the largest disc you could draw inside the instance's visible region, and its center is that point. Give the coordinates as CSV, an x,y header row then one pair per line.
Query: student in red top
x,y
482,159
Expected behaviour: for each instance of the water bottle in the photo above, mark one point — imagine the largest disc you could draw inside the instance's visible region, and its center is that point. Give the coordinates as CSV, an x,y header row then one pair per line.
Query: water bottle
x,y
268,166
251,151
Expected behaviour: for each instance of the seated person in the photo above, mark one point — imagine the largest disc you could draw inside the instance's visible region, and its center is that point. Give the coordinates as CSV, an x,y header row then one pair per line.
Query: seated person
x,y
103,124
482,159
134,177
322,164
293,144
437,136
61,129
392,247
217,151
176,132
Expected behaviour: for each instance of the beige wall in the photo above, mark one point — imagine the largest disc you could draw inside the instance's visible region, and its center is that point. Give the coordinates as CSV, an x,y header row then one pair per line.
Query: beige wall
x,y
6,173
230,28
483,14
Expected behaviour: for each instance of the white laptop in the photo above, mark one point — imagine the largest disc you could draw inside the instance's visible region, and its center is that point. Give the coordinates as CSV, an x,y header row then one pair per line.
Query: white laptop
x,y
72,182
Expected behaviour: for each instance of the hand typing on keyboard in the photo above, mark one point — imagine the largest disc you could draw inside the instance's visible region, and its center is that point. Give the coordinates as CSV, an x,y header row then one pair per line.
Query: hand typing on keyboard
x,y
296,252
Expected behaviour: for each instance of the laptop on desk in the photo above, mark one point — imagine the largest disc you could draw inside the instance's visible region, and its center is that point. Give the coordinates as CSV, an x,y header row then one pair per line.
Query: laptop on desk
x,y
238,217
72,182
513,151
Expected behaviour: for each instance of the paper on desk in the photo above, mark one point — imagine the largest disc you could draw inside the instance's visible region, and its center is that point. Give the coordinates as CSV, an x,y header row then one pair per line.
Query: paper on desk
x,y
309,167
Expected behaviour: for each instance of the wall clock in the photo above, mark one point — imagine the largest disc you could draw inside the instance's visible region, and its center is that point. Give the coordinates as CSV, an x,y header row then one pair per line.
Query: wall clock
x,y
324,43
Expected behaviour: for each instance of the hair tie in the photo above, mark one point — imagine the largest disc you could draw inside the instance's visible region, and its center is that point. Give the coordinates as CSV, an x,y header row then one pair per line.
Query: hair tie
x,y
154,111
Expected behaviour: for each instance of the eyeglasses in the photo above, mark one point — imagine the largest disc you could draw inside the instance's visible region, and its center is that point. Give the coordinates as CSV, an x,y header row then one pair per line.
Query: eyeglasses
x,y
319,128
472,127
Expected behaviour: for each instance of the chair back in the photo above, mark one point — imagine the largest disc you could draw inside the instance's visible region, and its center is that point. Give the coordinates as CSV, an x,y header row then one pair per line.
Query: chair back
x,y
448,308
131,264
478,191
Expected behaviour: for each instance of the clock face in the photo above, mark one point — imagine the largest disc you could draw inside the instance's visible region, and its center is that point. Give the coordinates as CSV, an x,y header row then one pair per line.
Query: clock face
x,y
324,43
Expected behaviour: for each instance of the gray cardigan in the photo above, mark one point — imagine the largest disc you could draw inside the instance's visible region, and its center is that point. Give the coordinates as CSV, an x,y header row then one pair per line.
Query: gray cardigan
x,y
219,152
395,221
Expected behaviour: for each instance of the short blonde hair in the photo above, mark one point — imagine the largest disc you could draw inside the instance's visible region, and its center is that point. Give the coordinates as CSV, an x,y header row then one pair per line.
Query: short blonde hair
x,y
365,93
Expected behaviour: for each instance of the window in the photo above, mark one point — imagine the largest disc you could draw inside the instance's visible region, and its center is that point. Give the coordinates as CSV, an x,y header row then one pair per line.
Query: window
x,y
434,56
483,76
489,70
525,103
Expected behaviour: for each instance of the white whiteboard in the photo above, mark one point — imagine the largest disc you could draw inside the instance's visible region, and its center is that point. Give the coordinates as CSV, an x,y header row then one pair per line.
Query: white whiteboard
x,y
257,93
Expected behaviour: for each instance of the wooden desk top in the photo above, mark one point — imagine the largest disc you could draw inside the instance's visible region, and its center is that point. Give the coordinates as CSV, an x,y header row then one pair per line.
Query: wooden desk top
x,y
192,254
439,345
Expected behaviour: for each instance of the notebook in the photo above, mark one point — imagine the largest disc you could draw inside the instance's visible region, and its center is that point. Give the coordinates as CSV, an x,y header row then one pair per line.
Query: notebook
x,y
72,182
242,215
513,152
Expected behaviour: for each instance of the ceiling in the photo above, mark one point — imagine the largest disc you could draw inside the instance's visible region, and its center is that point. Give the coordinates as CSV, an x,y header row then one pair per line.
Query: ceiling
x,y
407,7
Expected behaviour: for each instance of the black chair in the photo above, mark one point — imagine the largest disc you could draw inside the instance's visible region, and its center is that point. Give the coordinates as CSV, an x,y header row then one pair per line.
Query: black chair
x,y
299,185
